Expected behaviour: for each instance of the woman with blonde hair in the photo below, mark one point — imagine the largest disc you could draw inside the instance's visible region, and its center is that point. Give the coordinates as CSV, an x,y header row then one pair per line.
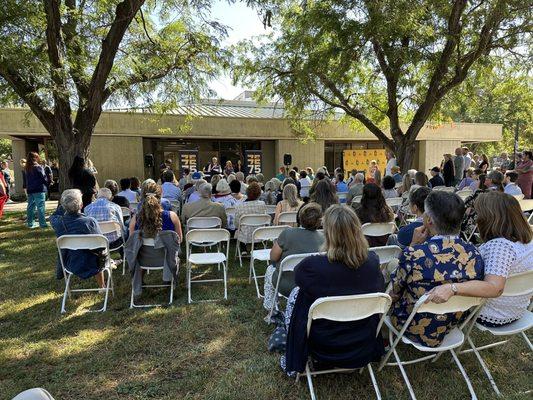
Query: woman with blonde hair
x,y
290,202
407,182
346,268
151,217
507,249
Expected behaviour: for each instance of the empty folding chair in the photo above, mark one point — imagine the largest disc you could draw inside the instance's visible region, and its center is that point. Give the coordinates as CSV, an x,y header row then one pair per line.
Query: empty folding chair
x,y
216,236
378,228
160,254
288,217
453,340
254,221
83,242
346,309
388,257
286,266
114,227
516,285
260,236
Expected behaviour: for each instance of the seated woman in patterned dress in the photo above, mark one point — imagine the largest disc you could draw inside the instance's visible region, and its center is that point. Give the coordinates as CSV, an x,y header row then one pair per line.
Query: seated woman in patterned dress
x,y
507,250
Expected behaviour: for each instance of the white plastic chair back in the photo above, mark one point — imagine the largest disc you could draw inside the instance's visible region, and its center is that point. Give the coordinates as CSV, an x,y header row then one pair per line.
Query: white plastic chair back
x,y
519,284
134,205
290,262
110,227
149,242
379,229
271,209
348,308
255,220
386,254
357,199
81,242
449,189
203,223
175,204
342,196
454,304
207,235
288,217
394,201
126,212
463,194
519,196
526,205
268,233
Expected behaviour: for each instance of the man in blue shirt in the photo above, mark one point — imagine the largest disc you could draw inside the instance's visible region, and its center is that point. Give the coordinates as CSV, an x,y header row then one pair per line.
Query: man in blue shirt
x,y
169,189
436,179
103,209
510,184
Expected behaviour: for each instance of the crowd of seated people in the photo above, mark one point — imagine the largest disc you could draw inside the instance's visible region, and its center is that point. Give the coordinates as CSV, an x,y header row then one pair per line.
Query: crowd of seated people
x,y
436,258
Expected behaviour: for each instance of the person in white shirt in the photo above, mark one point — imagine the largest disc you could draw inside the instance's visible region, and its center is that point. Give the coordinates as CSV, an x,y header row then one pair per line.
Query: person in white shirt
x,y
510,184
125,190
305,184
468,160
391,162
507,250
169,188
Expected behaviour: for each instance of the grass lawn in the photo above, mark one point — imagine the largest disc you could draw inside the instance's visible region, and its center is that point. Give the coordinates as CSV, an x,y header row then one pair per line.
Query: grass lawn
x,y
199,351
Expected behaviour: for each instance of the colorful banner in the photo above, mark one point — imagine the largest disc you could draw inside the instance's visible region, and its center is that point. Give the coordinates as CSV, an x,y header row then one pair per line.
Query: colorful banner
x,y
188,159
253,161
360,159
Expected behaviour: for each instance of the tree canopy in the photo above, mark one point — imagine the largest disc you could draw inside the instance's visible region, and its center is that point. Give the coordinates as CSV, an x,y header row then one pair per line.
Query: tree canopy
x,y
387,64
66,59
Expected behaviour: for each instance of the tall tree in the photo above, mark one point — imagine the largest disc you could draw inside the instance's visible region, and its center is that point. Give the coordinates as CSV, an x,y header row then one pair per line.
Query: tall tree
x,y
385,63
66,59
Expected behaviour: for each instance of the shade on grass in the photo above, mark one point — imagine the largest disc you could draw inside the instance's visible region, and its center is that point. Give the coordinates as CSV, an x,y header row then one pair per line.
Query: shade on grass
x,y
200,351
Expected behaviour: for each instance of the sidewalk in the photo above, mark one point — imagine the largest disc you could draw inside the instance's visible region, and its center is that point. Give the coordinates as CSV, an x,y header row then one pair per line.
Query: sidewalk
x,y
21,206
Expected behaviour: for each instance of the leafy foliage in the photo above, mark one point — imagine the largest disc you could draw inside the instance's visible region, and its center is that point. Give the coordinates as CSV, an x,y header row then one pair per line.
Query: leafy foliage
x,y
5,148
386,63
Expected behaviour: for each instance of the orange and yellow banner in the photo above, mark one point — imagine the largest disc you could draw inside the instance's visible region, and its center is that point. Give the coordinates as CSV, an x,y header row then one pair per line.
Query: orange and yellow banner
x,y
360,159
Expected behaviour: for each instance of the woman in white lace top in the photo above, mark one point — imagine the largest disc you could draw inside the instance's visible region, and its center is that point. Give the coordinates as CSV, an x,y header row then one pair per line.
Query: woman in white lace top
x,y
507,250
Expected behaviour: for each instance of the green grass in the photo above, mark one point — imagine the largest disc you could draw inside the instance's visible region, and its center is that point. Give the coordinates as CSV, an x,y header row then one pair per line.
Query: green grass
x,y
199,351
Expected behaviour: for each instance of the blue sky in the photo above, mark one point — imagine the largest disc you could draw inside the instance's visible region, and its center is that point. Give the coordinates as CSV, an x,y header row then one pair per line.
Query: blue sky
x,y
242,23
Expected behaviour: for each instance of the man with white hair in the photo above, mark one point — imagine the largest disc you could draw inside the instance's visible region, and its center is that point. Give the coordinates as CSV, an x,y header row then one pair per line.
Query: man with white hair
x,y
356,189
204,207
69,220
103,209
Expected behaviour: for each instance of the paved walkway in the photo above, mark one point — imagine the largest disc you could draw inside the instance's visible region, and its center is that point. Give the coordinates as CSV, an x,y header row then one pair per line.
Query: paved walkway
x,y
21,206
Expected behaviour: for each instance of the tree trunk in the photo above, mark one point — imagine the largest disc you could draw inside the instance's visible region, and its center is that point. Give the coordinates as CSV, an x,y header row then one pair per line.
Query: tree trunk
x,y
404,150
68,147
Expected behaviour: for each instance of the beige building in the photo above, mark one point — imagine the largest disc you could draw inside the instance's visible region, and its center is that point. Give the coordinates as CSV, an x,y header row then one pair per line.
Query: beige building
x,y
226,129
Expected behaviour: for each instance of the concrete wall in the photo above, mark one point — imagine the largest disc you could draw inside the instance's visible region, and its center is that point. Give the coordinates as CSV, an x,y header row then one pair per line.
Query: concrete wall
x,y
431,152
303,155
269,158
19,152
117,157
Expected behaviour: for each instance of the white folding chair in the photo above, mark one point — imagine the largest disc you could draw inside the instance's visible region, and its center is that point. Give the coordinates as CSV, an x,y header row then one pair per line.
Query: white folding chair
x,y
449,189
520,284
84,242
114,227
378,228
126,212
357,199
464,193
271,209
203,223
342,197
133,206
346,309
254,221
394,202
216,236
388,257
150,243
519,196
262,235
287,217
287,265
454,339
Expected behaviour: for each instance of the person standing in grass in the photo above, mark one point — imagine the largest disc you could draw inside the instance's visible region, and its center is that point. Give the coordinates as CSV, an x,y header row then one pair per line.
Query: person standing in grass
x,y
3,194
36,186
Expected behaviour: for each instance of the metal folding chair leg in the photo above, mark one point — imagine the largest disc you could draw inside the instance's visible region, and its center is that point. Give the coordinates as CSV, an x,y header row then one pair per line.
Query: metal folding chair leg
x,y
527,340
484,366
65,294
310,381
465,376
374,381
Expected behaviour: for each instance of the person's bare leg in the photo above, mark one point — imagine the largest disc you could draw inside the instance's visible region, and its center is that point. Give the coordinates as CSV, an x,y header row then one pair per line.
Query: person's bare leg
x,y
100,279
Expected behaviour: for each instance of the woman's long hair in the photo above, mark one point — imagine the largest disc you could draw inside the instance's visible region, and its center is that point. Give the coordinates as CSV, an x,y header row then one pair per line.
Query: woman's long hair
x,y
325,194
151,214
499,216
421,179
374,205
33,158
497,180
345,242
290,193
76,169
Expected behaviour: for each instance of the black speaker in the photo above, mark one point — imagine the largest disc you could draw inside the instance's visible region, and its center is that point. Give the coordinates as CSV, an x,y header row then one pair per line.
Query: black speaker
x,y
148,160
287,159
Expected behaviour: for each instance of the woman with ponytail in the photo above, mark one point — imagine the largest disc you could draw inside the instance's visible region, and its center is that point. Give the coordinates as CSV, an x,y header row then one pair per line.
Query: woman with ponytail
x,y
151,218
